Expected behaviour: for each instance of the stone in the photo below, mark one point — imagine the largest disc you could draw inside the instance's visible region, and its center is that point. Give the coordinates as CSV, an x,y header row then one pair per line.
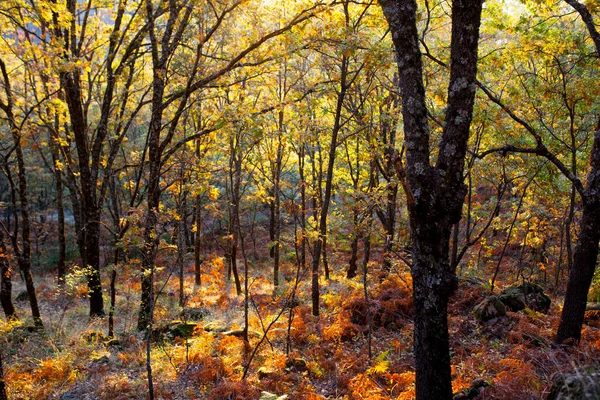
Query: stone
x,y
271,396
264,372
195,313
216,326
114,342
580,385
297,364
181,329
94,336
530,295
489,309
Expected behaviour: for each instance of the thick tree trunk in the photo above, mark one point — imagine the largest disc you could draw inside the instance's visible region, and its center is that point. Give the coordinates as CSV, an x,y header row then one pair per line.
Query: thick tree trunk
x,y
434,194
585,256
586,251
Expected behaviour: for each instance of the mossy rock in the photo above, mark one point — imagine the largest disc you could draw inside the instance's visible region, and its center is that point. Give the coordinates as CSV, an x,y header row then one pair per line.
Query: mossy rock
x,y
195,313
581,385
181,329
174,329
216,326
489,308
513,298
530,295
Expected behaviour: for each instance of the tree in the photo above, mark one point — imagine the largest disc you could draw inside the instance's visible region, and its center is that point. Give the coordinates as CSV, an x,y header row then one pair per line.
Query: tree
x,y
435,193
586,251
21,237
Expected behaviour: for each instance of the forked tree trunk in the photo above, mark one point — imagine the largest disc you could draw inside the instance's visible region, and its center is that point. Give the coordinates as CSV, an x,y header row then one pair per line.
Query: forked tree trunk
x,y
435,194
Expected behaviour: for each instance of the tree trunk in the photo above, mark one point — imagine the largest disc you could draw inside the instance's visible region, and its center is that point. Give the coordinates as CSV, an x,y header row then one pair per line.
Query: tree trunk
x,y
6,282
586,252
60,209
321,241
198,243
435,194
585,256
3,395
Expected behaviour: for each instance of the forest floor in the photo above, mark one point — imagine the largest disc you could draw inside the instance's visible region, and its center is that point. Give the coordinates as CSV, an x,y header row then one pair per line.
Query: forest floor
x,y
72,358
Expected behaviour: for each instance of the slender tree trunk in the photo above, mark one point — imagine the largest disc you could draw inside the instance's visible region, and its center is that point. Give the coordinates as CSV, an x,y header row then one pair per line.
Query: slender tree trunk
x,y
113,293
6,282
60,208
24,256
198,243
321,241
302,205
3,395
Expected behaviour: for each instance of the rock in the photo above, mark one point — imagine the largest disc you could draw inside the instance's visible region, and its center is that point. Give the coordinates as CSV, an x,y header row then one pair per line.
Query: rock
x,y
497,327
195,313
516,298
271,396
94,336
264,372
297,364
174,329
216,326
577,386
239,333
592,318
22,296
473,391
592,307
69,396
181,329
114,342
489,309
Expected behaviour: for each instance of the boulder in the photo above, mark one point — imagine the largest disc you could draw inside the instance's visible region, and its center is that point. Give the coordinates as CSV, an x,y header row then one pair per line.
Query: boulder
x,y
271,396
216,326
592,318
181,329
195,313
296,364
516,298
580,385
175,329
489,309
264,372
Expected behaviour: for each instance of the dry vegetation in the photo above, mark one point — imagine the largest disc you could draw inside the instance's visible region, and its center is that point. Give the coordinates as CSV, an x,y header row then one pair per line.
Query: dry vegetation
x,y
72,358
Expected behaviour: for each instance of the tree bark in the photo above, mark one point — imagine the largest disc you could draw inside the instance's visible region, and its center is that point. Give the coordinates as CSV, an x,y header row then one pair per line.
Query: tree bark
x,y
585,256
6,282
321,241
198,243
435,195
586,251
3,395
